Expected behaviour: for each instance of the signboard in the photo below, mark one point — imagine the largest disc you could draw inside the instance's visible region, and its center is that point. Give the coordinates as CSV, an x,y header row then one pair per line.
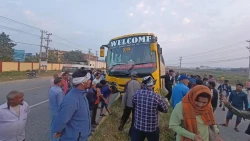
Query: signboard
x,y
129,41
19,55
28,54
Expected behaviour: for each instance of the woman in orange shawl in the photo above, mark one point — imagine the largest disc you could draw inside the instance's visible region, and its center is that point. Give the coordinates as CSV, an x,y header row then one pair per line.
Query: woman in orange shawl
x,y
193,117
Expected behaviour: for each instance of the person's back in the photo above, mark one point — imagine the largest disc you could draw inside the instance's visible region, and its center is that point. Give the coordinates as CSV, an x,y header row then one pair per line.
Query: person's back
x,y
77,117
179,91
146,104
132,87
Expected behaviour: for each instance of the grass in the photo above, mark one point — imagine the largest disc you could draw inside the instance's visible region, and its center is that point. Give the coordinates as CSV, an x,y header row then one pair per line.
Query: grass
x,y
15,75
108,129
233,77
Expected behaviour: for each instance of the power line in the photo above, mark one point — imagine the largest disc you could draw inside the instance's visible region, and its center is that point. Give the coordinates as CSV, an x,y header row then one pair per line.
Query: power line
x,y
215,61
66,40
5,18
12,29
17,22
25,43
209,54
214,49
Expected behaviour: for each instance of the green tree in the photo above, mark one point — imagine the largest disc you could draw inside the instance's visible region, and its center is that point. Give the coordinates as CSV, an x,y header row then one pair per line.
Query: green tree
x,y
34,58
73,56
52,57
6,47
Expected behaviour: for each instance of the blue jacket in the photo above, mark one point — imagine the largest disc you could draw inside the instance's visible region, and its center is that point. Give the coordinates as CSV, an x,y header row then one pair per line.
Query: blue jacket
x,y
56,96
73,119
237,100
179,91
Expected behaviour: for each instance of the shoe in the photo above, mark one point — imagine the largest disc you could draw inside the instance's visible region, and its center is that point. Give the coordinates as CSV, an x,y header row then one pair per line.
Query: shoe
x,y
96,123
102,115
120,128
236,129
224,124
223,109
93,126
220,105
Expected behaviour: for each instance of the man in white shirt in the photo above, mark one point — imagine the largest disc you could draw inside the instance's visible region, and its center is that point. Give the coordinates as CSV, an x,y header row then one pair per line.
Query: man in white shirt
x,y
13,117
97,78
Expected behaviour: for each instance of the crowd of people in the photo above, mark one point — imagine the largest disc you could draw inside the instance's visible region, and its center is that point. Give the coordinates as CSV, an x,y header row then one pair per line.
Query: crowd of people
x,y
73,107
191,92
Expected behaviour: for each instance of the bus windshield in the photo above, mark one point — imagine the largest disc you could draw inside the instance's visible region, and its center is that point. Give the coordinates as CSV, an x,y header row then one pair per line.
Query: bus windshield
x,y
133,54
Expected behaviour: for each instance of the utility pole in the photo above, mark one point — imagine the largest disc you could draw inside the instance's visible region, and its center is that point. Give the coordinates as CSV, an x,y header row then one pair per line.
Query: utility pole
x,y
248,47
180,63
89,55
96,54
47,48
40,54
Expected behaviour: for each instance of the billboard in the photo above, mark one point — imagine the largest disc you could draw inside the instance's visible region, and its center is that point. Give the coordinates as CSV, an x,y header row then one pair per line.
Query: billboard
x,y
19,55
28,54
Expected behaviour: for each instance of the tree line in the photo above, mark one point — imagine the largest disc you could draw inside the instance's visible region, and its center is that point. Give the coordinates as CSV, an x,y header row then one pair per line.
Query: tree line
x,y
7,53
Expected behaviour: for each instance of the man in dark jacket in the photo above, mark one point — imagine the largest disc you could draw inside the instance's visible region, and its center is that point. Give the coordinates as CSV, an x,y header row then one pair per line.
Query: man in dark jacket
x,y
214,92
92,96
169,81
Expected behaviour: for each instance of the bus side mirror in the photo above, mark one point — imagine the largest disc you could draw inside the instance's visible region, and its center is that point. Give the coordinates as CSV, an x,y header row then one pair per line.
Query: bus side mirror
x,y
102,49
153,47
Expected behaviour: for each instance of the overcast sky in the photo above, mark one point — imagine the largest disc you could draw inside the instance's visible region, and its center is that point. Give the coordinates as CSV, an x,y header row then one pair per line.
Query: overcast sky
x,y
188,28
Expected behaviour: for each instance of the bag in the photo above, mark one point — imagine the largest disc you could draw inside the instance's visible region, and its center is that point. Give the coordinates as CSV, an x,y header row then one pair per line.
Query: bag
x,y
212,133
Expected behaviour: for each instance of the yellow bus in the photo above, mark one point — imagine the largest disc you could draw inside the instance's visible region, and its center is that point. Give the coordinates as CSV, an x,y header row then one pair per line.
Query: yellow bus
x,y
138,52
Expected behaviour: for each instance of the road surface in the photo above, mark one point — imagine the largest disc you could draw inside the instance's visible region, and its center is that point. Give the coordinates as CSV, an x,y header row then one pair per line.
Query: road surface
x,y
36,95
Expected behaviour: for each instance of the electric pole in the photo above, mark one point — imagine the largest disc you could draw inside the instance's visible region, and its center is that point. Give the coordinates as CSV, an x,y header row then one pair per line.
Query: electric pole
x,y
180,63
40,54
248,47
89,55
47,48
96,54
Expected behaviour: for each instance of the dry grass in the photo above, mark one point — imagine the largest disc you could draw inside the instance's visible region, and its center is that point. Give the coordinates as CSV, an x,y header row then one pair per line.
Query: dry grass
x,y
108,129
15,75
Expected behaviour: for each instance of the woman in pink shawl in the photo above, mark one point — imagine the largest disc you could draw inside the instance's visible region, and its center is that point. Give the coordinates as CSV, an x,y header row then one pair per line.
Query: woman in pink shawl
x,y
65,76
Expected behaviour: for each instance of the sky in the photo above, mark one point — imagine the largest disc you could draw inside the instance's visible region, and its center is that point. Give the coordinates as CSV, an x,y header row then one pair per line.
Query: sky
x,y
208,33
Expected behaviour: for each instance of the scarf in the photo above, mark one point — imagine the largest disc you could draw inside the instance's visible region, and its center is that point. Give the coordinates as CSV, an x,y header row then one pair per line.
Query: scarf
x,y
190,110
79,80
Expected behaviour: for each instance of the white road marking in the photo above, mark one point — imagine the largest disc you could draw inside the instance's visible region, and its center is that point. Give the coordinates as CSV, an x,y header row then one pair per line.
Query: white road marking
x,y
39,103
33,88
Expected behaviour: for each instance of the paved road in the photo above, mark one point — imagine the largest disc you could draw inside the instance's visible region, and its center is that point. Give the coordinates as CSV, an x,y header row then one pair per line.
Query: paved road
x,y
36,95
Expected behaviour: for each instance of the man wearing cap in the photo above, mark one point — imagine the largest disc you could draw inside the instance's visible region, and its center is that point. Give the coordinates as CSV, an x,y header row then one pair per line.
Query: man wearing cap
x,y
56,96
180,90
131,87
146,105
73,120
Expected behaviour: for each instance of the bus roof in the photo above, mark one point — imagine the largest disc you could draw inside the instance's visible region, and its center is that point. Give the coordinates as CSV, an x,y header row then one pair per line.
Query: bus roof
x,y
135,34
76,65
